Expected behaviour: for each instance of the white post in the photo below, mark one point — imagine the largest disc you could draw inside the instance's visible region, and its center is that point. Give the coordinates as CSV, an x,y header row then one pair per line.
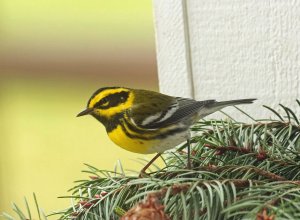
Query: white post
x,y
173,52
230,49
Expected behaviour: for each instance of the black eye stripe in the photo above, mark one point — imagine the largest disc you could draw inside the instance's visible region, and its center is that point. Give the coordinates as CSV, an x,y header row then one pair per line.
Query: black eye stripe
x,y
113,100
103,101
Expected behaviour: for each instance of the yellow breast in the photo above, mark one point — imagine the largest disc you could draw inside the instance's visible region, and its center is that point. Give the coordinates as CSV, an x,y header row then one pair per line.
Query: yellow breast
x,y
119,137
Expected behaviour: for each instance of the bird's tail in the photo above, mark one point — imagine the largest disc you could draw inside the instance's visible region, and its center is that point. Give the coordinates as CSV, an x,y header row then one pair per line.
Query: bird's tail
x,y
214,106
233,102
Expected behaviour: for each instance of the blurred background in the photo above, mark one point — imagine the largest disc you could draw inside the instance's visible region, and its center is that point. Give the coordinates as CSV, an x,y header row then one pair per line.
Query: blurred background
x,y
53,55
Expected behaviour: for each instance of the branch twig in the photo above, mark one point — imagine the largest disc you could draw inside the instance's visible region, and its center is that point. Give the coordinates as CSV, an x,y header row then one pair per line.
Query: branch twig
x,y
261,172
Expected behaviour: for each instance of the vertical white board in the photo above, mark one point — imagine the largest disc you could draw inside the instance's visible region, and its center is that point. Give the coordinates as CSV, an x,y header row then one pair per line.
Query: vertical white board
x,y
240,49
172,48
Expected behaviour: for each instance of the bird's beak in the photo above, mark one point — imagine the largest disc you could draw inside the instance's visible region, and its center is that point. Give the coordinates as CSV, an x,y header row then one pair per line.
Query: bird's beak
x,y
85,112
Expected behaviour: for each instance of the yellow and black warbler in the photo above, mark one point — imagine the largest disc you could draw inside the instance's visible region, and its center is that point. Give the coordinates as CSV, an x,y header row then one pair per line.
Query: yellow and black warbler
x,y
148,122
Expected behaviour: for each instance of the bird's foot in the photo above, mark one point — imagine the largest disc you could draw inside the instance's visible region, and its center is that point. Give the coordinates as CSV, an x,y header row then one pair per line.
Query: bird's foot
x,y
143,174
189,165
143,171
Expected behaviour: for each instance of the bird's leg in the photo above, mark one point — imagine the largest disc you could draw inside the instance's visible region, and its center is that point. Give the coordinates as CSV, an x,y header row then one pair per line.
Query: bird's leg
x,y
143,171
189,166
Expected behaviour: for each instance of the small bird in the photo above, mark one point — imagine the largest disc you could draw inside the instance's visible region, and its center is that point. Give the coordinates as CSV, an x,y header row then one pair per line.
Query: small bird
x,y
147,122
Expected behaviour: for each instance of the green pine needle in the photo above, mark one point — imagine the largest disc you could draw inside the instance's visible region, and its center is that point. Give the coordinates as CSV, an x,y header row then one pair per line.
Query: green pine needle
x,y
240,171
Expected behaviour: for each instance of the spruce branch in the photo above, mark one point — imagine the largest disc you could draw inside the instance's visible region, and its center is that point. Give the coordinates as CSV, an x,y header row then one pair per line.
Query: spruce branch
x,y
233,168
240,171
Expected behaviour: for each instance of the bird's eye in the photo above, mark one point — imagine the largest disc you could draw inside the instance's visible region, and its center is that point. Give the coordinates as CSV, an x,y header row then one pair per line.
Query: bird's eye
x,y
104,101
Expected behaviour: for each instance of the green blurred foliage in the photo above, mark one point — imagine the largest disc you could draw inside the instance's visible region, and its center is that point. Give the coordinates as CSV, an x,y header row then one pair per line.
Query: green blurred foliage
x,y
53,55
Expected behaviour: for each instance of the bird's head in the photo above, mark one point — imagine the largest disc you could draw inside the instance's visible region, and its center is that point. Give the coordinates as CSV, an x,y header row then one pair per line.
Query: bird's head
x,y
108,102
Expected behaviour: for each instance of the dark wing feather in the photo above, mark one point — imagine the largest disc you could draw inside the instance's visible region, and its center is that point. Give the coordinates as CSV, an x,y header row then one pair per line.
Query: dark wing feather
x,y
185,108
172,113
152,110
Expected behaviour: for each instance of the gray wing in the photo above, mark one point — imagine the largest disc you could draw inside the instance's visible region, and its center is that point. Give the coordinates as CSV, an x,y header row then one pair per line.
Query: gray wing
x,y
176,112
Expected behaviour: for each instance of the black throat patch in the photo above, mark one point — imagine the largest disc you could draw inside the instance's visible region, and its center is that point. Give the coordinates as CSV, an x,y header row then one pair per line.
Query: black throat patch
x,y
111,123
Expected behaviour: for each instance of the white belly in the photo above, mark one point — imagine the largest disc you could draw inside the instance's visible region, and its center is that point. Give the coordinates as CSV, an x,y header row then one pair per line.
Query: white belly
x,y
170,142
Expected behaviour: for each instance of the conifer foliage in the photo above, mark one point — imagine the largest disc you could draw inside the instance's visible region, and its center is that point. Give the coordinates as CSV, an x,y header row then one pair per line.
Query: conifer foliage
x,y
240,171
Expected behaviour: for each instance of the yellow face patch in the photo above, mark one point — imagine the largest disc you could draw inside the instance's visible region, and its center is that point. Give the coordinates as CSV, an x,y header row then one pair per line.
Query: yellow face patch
x,y
113,110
